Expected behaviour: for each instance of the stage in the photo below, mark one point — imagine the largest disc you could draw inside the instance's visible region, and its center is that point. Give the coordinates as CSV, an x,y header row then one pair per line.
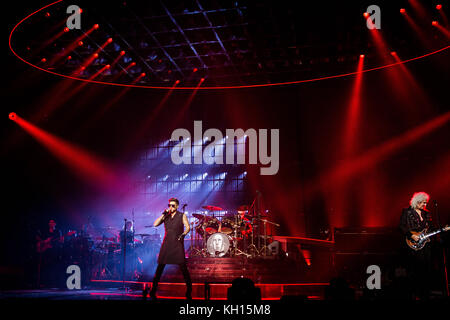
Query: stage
x,y
261,150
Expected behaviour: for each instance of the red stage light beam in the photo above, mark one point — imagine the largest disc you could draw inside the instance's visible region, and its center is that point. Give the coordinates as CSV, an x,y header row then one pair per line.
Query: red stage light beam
x,y
92,57
375,155
338,194
186,106
418,30
442,14
352,122
85,164
74,44
419,9
121,54
148,121
95,75
444,31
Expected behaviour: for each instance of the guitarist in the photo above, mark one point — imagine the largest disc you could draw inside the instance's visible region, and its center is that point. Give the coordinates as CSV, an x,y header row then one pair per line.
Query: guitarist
x,y
49,243
415,219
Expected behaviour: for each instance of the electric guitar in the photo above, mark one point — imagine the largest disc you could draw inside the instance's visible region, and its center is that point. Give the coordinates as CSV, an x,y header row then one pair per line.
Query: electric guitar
x,y
43,245
424,238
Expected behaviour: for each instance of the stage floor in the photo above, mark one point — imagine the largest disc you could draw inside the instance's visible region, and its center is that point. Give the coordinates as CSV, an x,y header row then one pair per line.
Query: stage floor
x,y
114,290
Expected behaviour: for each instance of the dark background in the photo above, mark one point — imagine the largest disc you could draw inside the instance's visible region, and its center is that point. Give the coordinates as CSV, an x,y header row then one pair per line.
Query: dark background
x,y
310,116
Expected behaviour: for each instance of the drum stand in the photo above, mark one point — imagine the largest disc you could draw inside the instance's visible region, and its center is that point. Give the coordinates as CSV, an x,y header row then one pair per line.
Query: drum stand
x,y
236,250
193,250
252,249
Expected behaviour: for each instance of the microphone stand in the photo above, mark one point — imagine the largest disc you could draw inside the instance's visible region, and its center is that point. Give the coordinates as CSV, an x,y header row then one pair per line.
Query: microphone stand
x,y
443,249
124,243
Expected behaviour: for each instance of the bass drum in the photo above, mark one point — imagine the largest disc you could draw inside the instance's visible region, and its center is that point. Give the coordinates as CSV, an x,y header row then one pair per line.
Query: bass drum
x,y
218,244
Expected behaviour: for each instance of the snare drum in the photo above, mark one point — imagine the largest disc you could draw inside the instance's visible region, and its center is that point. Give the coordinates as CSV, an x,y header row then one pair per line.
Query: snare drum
x,y
211,226
218,244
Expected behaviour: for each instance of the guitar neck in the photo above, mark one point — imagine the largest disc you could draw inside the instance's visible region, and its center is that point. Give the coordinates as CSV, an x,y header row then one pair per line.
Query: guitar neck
x,y
430,234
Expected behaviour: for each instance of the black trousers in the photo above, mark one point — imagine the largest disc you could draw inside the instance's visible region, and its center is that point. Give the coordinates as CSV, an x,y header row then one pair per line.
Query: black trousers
x,y
183,269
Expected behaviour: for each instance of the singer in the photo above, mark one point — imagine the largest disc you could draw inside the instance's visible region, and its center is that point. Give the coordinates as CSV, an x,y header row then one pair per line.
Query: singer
x,y
172,248
416,218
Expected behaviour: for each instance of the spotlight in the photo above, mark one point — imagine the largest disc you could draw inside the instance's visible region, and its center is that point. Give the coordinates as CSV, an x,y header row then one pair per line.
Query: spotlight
x,y
43,60
107,66
439,6
12,116
177,82
66,29
361,56
202,79
47,14
434,23
69,57
80,43
96,26
143,74
366,15
393,53
110,40
195,70
96,55
133,64
122,53
81,10
402,11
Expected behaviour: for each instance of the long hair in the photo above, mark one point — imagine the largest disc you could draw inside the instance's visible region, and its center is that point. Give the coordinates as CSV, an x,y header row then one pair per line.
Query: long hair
x,y
418,197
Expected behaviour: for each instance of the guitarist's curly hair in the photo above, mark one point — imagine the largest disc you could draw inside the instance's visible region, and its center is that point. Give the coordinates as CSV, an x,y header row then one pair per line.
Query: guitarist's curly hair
x,y
418,197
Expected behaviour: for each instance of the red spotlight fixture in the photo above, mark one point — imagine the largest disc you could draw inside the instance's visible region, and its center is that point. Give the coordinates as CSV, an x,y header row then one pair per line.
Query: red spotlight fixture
x,y
143,74
195,70
402,11
434,23
361,56
66,29
393,53
107,66
202,79
177,82
366,15
133,64
95,55
81,10
439,6
122,53
96,26
69,57
12,116
43,60
80,43
47,14
110,40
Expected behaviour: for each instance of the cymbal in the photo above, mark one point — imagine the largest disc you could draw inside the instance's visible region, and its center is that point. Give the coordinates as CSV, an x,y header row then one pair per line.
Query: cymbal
x,y
242,208
198,216
212,208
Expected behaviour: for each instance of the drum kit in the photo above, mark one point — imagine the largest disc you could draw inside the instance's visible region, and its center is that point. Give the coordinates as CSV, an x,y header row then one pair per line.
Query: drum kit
x,y
229,235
